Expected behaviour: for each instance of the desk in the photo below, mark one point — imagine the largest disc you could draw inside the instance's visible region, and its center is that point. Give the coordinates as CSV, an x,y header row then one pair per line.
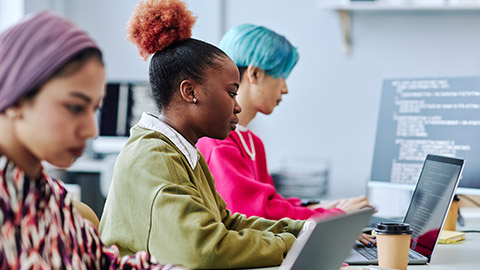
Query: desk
x,y
462,256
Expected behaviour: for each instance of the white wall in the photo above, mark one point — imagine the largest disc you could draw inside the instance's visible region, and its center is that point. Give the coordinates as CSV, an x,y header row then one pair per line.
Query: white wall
x,y
333,103
10,12
106,22
108,26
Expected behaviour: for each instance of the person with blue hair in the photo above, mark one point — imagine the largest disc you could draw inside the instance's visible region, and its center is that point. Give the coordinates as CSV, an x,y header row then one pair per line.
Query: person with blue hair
x,y
260,47
238,163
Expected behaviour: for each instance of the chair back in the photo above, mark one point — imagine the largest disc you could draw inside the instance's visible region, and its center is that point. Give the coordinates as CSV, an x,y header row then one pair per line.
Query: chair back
x,y
87,213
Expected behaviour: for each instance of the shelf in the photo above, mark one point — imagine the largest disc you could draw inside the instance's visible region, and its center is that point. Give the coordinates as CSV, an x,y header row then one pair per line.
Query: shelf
x,y
406,6
345,7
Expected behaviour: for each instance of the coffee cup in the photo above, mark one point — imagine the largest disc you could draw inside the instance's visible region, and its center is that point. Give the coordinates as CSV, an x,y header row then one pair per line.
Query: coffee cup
x,y
393,244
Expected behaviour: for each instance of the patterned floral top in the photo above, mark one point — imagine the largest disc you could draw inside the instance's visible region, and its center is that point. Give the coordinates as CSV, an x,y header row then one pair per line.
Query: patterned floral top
x,y
40,229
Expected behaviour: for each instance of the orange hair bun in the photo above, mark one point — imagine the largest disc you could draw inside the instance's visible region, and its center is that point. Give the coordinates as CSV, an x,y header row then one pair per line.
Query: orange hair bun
x,y
155,24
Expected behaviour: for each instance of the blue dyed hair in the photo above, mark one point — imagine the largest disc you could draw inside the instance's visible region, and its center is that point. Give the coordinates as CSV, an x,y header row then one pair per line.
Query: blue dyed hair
x,y
249,44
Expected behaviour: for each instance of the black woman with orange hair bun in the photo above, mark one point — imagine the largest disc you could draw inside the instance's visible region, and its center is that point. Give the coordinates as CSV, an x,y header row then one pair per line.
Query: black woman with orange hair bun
x,y
163,196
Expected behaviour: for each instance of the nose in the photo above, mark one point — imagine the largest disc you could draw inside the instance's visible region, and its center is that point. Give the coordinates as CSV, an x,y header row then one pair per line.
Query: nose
x,y
236,107
284,87
89,128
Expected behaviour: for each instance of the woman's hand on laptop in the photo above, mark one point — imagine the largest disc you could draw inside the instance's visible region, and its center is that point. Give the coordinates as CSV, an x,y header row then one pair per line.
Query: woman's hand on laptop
x,y
347,205
367,239
353,204
324,205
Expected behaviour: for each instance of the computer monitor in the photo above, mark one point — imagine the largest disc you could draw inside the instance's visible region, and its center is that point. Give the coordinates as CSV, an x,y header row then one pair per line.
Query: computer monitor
x,y
122,107
427,116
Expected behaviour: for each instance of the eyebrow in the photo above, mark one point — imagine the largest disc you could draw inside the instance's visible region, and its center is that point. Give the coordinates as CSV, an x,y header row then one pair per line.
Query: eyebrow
x,y
81,96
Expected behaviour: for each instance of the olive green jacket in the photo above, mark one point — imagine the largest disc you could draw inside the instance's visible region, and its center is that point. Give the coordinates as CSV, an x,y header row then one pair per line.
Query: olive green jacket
x,y
159,204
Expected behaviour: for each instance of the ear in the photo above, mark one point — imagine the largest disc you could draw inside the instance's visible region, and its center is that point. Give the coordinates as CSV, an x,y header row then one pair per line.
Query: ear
x,y
254,74
187,91
11,113
15,111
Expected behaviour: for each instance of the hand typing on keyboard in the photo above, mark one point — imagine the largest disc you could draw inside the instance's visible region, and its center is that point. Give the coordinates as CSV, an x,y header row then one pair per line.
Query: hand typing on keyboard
x,y
367,239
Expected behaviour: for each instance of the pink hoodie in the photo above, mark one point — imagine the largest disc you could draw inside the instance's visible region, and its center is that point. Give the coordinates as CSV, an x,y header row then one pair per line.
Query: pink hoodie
x,y
245,184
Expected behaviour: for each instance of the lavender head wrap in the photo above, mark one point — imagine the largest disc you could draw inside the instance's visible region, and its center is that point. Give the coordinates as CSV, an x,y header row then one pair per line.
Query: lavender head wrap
x,y
32,50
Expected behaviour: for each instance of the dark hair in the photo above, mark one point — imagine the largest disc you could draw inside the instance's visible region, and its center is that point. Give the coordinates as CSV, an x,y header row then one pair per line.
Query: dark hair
x,y
186,59
71,66
241,70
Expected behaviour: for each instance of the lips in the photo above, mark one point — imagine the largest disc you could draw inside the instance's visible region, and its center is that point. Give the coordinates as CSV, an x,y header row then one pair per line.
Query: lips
x,y
77,152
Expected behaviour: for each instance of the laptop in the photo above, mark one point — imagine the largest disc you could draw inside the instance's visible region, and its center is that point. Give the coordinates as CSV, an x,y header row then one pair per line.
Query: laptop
x,y
314,248
426,214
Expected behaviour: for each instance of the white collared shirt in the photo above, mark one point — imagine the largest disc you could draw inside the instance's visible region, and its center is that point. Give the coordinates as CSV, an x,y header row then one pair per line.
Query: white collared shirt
x,y
155,123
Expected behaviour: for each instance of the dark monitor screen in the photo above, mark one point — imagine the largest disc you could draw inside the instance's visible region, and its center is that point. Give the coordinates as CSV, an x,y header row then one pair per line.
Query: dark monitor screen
x,y
427,116
122,107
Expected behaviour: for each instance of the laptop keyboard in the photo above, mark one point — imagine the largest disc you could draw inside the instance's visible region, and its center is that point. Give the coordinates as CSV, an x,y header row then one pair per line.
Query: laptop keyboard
x,y
415,256
368,252
371,253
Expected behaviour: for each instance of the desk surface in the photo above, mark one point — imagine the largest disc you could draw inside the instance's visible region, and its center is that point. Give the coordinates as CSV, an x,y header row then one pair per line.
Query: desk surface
x,y
465,255
462,256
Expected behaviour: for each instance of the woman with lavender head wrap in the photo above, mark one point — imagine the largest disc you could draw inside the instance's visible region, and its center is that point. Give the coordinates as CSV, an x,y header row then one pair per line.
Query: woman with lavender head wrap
x,y
51,83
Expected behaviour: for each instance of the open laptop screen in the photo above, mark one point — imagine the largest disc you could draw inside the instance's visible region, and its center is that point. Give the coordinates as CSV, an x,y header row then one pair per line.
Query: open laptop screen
x,y
430,201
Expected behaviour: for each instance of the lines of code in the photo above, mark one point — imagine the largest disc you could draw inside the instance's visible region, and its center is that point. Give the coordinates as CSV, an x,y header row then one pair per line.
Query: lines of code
x,y
427,116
